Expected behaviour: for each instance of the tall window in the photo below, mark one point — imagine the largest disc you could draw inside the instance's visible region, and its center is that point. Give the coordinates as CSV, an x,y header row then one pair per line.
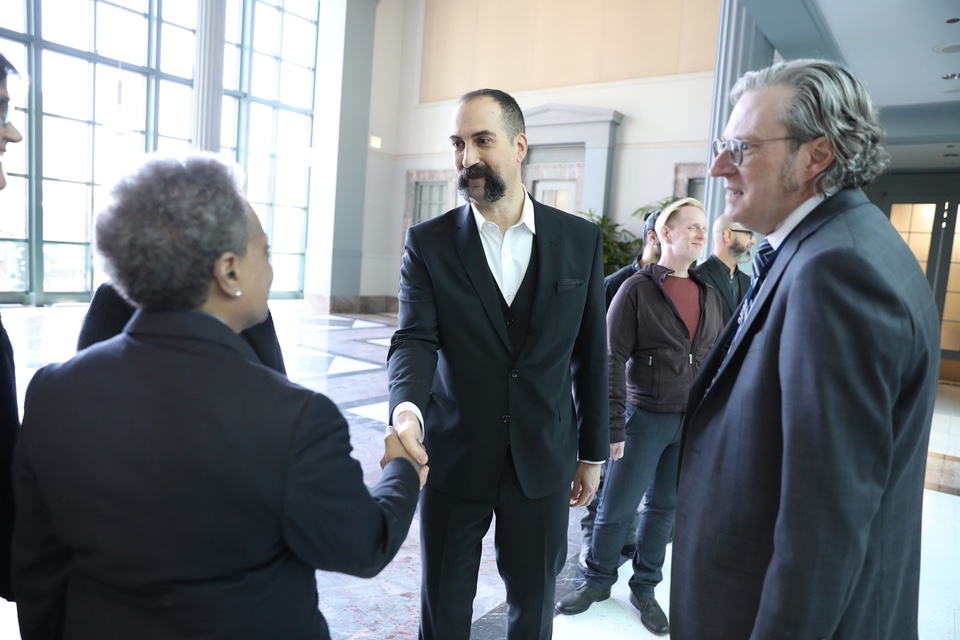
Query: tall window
x,y
431,200
111,80
268,120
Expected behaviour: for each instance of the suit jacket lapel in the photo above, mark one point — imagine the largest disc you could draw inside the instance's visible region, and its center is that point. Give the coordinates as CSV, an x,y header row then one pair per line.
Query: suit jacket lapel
x,y
467,240
719,281
548,269
823,212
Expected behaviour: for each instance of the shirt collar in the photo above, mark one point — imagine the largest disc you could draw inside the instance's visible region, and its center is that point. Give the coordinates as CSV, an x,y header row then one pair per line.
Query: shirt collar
x,y
526,215
796,216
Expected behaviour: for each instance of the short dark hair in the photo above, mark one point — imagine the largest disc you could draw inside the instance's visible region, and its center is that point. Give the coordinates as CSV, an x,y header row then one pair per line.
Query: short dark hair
x,y
510,114
650,225
6,68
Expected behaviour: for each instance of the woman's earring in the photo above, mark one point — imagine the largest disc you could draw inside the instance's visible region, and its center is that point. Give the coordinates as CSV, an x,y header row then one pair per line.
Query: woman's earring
x,y
237,293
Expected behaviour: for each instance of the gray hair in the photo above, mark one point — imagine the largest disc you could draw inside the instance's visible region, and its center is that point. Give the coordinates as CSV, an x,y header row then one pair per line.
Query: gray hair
x,y
165,227
827,100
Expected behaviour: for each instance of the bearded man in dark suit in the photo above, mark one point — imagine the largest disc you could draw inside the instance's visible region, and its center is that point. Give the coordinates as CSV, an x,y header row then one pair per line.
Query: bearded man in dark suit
x,y
501,314
801,483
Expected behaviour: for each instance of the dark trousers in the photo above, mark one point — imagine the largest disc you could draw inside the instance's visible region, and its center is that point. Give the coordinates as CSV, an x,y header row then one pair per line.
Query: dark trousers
x,y
531,544
650,464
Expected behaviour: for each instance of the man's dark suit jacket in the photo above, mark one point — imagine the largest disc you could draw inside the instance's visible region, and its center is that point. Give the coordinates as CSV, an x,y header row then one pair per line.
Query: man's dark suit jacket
x,y
451,356
801,481
611,284
168,487
715,273
9,426
109,313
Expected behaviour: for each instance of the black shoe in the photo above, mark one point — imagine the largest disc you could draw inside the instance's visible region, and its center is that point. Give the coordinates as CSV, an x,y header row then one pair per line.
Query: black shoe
x,y
651,615
581,599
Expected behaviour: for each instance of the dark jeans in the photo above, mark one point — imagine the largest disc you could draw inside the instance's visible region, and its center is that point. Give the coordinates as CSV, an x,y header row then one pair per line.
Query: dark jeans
x,y
649,465
588,519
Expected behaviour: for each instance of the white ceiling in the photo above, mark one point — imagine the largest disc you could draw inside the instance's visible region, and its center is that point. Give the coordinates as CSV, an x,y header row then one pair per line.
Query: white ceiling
x,y
895,48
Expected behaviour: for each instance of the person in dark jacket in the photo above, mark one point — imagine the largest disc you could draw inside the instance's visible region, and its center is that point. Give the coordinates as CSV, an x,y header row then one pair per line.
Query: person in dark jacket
x,y
660,326
168,484
731,247
9,412
651,253
109,313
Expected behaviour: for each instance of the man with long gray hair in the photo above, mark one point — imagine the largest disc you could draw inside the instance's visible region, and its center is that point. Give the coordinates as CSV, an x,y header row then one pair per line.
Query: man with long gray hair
x,y
801,482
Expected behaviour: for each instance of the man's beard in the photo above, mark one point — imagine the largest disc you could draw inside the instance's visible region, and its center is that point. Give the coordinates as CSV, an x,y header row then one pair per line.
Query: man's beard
x,y
494,186
739,250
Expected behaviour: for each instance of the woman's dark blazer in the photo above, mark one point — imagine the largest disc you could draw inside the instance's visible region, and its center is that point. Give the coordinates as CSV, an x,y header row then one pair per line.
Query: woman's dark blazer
x,y
109,313
170,486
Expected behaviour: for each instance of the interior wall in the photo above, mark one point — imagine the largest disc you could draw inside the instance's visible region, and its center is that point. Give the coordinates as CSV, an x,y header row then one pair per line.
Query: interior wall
x,y
525,45
666,117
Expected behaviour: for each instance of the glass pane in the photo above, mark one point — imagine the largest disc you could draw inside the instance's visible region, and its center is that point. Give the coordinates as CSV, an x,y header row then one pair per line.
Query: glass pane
x,y
13,266
286,272
263,77
113,21
305,8
15,157
950,336
922,219
136,5
920,245
66,149
296,85
261,128
292,181
174,111
231,67
299,37
115,153
900,217
65,211
287,236
228,122
120,100
13,16
266,29
181,12
64,267
66,86
67,22
13,221
234,21
172,146
177,50
258,178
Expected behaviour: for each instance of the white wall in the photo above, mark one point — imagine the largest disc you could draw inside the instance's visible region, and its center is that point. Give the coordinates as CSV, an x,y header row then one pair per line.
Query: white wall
x,y
666,121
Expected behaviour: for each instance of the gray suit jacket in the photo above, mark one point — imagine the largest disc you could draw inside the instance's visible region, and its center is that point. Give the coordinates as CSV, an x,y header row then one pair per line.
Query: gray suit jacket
x,y
451,356
801,483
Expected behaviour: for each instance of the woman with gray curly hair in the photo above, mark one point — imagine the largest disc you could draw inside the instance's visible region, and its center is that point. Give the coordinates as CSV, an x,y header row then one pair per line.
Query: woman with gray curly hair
x,y
170,486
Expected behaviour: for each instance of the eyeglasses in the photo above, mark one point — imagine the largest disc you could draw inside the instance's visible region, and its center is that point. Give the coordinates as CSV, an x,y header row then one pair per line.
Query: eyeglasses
x,y
736,147
746,231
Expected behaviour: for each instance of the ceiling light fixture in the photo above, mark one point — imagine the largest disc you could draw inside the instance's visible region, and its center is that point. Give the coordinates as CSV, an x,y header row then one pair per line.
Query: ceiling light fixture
x,y
953,20
949,47
950,76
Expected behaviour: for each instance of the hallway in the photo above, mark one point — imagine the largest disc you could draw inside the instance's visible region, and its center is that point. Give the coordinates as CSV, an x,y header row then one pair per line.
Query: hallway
x,y
344,358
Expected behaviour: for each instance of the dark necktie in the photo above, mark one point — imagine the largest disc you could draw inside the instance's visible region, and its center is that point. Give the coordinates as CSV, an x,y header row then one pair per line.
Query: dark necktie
x,y
762,260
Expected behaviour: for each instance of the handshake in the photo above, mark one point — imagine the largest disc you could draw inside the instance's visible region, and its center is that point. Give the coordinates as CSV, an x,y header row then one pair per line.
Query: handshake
x,y
404,439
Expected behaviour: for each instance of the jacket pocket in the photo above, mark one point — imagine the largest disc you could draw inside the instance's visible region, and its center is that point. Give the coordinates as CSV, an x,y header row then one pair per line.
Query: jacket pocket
x,y
567,285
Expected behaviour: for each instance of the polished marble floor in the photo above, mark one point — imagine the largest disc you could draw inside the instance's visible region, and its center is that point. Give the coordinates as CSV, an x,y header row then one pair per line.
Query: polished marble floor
x,y
344,358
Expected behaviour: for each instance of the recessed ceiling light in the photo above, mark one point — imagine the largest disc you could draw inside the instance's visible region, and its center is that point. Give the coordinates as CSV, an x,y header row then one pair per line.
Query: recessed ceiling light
x,y
949,47
950,76
953,20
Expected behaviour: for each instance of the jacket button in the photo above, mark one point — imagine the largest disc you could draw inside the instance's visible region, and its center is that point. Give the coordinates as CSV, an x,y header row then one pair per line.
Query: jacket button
x,y
510,322
505,419
514,374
